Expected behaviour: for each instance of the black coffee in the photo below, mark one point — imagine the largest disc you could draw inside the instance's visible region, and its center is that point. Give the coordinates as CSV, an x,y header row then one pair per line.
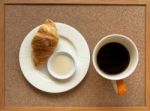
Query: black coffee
x,y
113,58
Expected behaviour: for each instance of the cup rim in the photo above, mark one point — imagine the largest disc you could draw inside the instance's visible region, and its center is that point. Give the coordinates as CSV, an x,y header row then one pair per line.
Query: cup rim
x,y
57,76
117,76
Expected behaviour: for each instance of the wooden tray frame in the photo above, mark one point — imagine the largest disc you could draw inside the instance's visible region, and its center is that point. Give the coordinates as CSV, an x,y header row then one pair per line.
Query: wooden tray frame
x,y
145,3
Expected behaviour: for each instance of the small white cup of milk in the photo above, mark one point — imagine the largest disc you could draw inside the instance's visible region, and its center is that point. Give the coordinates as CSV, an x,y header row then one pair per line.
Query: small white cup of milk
x,y
61,65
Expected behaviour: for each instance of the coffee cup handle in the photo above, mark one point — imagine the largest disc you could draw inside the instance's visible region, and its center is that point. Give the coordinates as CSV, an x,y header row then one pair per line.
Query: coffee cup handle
x,y
119,87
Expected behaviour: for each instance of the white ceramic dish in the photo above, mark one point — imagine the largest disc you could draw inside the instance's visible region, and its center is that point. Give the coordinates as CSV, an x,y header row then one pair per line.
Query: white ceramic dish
x,y
62,76
71,41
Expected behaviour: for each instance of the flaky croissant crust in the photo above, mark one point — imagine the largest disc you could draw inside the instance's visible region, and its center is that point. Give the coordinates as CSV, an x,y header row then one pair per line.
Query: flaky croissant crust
x,y
44,42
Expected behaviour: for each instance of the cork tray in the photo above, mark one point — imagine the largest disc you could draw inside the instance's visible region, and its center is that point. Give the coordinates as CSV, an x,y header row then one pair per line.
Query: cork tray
x,y
94,21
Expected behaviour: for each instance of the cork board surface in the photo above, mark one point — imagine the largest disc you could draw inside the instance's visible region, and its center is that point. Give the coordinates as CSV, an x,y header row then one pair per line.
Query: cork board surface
x,y
94,22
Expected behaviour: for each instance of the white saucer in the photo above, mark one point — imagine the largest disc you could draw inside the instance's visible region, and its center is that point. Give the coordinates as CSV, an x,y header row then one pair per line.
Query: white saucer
x,y
71,41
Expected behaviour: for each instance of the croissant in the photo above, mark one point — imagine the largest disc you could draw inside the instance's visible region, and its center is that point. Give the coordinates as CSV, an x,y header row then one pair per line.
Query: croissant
x,y
44,42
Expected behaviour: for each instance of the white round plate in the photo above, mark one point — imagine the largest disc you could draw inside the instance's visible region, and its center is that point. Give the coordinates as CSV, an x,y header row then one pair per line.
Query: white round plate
x,y
71,41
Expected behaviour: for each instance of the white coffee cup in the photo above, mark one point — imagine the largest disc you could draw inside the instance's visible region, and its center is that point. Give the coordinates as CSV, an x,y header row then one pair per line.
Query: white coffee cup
x,y
133,53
